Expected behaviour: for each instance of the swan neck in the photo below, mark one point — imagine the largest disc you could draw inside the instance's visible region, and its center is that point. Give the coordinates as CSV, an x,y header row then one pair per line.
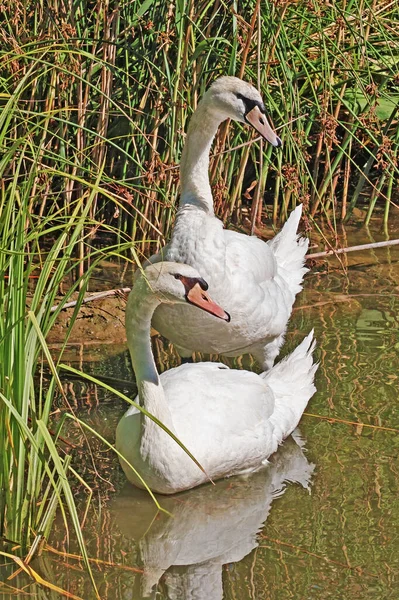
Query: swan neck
x,y
194,166
139,310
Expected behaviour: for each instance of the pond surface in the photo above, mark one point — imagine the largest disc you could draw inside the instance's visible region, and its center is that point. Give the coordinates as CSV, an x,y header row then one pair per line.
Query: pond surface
x,y
321,521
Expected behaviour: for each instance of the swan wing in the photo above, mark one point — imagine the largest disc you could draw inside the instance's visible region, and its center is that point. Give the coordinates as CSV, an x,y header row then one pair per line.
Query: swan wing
x,y
249,255
212,404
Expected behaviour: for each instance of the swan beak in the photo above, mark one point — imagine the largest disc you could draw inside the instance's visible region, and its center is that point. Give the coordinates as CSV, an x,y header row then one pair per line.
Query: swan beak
x,y
197,296
257,119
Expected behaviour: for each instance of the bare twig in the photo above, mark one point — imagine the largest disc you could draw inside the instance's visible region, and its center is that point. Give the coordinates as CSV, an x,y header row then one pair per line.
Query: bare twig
x,y
345,422
93,297
97,561
353,249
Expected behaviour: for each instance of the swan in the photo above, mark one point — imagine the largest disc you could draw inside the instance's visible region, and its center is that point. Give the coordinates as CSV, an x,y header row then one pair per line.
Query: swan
x,y
230,420
255,281
212,525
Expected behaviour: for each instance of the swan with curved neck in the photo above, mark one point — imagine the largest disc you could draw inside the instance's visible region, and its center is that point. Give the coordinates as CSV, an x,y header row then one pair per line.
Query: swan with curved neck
x,y
255,281
228,97
230,420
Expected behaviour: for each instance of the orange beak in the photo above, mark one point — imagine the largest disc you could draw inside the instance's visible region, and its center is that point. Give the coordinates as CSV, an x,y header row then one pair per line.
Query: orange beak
x,y
197,296
257,119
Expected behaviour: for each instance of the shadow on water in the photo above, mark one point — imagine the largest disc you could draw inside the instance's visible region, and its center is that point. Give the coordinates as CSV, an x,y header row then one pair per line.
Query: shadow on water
x,y
340,541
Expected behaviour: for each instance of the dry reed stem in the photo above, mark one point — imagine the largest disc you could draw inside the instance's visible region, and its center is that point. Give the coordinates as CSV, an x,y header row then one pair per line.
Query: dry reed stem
x,y
36,577
95,561
346,422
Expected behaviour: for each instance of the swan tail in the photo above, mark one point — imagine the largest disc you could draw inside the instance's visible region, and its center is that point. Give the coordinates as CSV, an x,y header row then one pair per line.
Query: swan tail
x,y
290,249
292,382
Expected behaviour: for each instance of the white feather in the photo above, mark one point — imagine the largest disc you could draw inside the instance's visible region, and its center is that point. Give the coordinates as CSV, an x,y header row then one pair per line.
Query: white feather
x,y
230,420
254,281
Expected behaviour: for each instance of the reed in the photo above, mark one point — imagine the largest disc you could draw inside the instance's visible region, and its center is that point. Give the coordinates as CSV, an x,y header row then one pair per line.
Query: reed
x,y
115,84
38,256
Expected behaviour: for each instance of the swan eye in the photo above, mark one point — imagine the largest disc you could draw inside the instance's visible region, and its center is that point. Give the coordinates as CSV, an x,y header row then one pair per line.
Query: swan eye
x,y
177,276
250,104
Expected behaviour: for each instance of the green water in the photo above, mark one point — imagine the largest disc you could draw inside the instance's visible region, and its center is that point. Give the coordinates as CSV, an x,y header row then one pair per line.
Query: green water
x,y
322,521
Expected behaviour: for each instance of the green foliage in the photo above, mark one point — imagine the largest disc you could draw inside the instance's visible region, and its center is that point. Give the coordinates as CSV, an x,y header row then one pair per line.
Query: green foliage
x,y
89,85
33,465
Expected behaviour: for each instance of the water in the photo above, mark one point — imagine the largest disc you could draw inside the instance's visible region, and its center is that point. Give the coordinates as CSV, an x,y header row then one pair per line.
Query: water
x,y
322,521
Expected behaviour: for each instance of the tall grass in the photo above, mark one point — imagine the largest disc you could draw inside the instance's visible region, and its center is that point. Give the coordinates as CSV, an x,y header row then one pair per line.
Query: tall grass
x,y
116,84
37,256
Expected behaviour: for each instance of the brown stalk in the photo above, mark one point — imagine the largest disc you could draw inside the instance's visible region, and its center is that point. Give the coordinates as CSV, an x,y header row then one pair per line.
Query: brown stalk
x,y
36,577
346,177
239,181
256,207
110,25
335,420
96,561
223,130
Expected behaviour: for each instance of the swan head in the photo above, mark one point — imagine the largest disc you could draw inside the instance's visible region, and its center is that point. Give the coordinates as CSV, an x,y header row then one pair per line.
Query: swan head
x,y
238,100
177,283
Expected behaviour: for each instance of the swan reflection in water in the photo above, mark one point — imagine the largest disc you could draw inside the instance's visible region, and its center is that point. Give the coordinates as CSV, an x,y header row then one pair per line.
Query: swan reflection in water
x,y
211,525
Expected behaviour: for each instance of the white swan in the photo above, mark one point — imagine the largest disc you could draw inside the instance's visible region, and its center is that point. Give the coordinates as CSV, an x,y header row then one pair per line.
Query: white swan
x,y
230,420
256,282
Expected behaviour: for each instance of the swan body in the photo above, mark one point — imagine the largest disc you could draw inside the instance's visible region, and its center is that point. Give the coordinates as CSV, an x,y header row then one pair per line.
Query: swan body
x,y
256,282
230,420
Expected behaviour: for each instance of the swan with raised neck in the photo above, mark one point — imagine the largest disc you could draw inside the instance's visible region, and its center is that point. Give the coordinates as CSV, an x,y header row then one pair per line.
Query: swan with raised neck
x,y
230,420
227,97
255,281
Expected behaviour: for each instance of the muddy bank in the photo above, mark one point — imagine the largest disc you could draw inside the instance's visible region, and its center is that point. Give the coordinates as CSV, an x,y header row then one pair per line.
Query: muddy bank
x,y
99,324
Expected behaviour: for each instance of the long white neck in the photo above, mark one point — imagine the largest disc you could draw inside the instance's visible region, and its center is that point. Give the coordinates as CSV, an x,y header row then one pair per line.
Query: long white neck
x,y
194,166
139,310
